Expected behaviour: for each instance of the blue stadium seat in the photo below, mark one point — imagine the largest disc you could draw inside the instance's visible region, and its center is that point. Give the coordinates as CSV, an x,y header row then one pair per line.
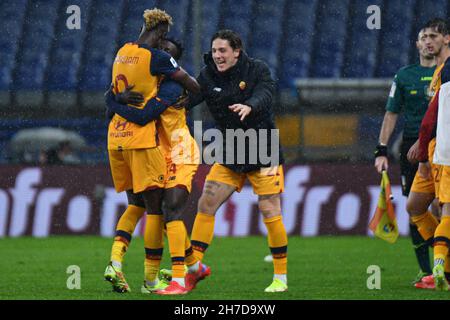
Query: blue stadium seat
x,y
236,15
101,43
96,77
210,22
267,24
395,45
210,12
133,20
296,46
179,10
329,46
30,77
362,48
39,31
5,77
67,51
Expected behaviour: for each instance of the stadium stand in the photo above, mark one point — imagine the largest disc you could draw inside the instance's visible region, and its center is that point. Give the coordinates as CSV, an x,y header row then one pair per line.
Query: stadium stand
x,y
178,9
395,45
11,23
34,53
296,45
267,24
362,47
329,45
47,67
100,49
236,15
65,59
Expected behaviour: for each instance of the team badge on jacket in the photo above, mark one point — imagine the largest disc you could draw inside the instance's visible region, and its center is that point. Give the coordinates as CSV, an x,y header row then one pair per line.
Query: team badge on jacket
x,y
242,85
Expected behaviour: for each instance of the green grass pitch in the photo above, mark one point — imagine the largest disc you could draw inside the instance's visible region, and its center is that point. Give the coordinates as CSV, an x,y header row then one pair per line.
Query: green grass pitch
x,y
319,268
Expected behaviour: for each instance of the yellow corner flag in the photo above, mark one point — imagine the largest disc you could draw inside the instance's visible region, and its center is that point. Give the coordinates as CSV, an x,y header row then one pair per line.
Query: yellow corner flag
x,y
384,223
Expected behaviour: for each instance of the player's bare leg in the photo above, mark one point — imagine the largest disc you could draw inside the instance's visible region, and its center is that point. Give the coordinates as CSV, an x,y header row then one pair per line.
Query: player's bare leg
x,y
214,194
417,207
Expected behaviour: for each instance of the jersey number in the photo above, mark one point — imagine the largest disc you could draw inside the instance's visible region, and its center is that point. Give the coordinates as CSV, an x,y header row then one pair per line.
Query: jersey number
x,y
120,77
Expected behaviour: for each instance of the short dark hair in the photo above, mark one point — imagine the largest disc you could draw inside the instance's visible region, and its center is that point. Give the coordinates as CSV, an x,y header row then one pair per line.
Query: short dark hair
x,y
179,46
233,38
438,24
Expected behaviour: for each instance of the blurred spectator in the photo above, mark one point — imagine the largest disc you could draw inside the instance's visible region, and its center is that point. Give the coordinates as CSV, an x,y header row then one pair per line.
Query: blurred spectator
x,y
60,155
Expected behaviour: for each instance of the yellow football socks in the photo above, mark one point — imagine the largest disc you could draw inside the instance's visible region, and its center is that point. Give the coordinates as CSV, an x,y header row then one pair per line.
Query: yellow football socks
x,y
176,235
277,239
154,243
426,224
189,257
441,239
125,228
202,234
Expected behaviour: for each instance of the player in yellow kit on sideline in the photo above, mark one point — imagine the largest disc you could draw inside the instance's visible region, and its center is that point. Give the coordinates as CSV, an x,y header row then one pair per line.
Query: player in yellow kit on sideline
x,y
137,164
425,180
181,155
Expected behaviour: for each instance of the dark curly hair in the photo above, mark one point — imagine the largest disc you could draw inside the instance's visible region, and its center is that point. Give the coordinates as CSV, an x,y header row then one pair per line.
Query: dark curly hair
x,y
180,48
233,38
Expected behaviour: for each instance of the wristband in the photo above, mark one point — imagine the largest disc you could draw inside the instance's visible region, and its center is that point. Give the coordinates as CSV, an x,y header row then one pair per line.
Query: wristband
x,y
380,151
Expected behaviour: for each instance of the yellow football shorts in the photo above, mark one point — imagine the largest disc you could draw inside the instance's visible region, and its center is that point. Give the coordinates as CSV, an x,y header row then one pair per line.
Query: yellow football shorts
x,y
264,181
421,185
444,185
139,169
180,176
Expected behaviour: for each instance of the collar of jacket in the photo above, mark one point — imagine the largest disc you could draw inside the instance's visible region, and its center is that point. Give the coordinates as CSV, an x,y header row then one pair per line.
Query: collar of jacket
x,y
235,70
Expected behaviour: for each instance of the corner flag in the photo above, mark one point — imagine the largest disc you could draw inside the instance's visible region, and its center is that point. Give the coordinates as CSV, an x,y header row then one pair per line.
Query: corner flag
x,y
384,223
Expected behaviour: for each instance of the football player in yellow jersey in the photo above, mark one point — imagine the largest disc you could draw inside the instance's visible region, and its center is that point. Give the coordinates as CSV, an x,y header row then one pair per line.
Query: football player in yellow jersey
x,y
181,154
137,164
435,124
427,184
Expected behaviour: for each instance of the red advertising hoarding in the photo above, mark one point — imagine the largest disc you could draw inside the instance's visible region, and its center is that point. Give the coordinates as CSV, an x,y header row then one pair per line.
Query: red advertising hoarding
x,y
319,199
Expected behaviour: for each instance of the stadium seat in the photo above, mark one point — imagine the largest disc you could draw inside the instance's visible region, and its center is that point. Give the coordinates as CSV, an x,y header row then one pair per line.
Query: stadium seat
x,y
267,24
395,45
179,10
95,81
210,12
39,29
132,19
362,49
210,22
11,23
101,46
296,43
67,52
329,46
236,15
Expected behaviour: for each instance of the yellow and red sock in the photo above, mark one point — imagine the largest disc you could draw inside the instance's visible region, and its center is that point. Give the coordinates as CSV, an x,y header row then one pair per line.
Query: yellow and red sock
x,y
125,228
426,225
202,234
176,235
154,244
278,241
